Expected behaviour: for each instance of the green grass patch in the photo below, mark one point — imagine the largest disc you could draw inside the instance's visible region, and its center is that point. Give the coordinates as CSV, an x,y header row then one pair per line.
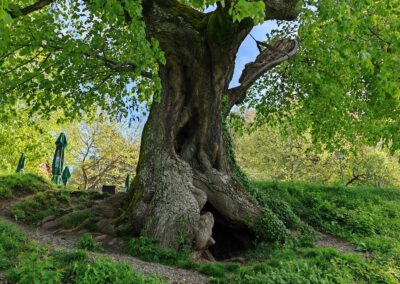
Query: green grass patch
x,y
368,218
21,184
74,219
312,265
148,250
34,209
86,242
26,263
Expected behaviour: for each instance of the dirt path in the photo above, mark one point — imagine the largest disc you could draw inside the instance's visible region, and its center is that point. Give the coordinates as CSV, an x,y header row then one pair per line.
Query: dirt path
x,y
329,241
60,242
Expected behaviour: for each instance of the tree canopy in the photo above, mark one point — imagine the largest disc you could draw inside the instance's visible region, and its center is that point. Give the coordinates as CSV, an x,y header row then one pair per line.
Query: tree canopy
x,y
79,55
344,81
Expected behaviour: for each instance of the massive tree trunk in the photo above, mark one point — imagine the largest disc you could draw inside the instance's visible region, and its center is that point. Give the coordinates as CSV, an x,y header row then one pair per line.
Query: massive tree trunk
x,y
185,192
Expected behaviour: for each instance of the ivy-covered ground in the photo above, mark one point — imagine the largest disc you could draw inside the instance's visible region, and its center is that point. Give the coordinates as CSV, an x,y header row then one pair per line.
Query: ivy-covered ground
x,y
344,235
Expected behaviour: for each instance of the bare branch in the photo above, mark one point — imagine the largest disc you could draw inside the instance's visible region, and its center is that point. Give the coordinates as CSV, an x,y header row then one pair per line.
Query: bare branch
x,y
30,9
22,63
124,66
270,57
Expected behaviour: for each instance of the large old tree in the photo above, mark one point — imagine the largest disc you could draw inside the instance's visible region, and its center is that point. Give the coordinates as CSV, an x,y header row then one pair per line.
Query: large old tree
x,y
185,183
81,55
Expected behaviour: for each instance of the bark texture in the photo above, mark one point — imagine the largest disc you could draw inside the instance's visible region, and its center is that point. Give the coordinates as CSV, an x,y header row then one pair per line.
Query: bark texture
x,y
184,191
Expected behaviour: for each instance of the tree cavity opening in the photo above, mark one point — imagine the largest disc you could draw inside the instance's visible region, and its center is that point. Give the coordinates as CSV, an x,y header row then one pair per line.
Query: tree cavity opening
x,y
231,240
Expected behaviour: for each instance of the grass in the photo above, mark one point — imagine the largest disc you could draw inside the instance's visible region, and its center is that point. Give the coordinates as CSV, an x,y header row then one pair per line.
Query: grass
x,y
33,210
368,218
47,200
24,262
21,184
86,242
277,263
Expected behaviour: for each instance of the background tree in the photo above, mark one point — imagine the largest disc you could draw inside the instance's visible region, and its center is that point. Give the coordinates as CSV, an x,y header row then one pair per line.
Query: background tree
x,y
105,155
20,135
269,154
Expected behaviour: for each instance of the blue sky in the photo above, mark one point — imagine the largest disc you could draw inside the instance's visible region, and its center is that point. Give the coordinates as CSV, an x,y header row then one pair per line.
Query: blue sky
x,y
248,50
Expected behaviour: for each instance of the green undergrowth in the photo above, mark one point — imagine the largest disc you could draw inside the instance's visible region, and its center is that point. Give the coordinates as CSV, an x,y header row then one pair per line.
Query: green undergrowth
x,y
148,250
86,242
310,265
368,218
365,217
276,263
284,252
39,199
15,185
32,210
25,262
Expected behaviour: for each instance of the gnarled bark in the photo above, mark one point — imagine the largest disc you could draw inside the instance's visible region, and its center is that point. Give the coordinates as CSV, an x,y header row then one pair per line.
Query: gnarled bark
x,y
184,188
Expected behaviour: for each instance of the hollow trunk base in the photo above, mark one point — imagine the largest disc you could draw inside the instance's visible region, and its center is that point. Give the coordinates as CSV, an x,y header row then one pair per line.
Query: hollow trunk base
x,y
184,193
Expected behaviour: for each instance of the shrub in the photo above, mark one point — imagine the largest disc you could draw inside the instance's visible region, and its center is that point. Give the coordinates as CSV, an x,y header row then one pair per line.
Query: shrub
x,y
86,242
34,268
106,271
148,250
5,192
270,228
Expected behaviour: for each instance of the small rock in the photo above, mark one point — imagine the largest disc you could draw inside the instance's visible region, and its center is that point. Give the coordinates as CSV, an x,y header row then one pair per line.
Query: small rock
x,y
48,218
106,226
100,238
52,224
106,211
92,203
235,259
81,232
112,242
67,232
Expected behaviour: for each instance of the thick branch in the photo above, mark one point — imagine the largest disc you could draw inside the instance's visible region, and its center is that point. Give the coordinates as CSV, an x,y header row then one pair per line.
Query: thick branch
x,y
116,66
270,57
277,9
282,9
29,9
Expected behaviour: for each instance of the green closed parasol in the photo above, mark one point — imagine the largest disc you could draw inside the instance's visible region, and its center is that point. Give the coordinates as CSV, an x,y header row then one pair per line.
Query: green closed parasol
x,y
21,163
66,174
58,160
127,183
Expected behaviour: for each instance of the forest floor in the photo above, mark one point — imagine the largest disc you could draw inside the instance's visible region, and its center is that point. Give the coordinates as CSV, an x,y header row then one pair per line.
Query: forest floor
x,y
356,240
54,241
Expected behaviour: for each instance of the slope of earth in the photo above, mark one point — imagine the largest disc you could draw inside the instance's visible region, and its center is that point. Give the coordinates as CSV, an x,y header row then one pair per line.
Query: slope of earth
x,y
351,237
367,219
24,201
